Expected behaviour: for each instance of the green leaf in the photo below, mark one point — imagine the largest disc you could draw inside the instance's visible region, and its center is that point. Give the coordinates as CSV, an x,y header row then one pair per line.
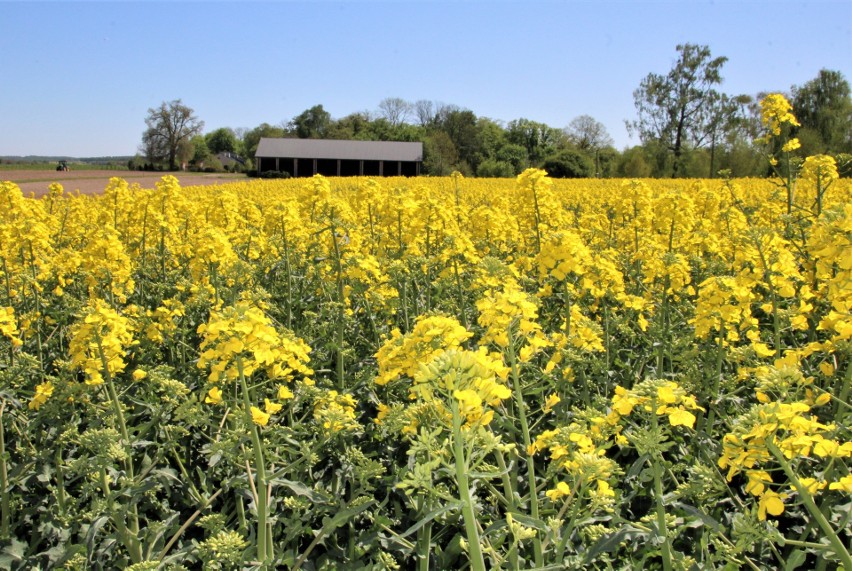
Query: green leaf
x,y
431,516
94,528
611,542
344,516
12,553
706,519
302,490
795,560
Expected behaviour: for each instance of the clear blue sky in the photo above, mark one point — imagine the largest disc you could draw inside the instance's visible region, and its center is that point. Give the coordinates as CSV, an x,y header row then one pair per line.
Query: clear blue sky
x,y
78,78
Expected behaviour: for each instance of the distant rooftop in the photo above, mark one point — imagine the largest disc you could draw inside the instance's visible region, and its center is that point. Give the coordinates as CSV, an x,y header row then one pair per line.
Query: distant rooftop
x,y
338,149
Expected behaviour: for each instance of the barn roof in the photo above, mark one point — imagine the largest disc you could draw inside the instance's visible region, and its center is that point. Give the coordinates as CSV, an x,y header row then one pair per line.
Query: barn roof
x,y
338,149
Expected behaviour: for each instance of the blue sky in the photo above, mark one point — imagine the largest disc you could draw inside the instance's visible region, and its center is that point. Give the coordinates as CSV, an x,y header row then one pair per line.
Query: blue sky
x,y
78,77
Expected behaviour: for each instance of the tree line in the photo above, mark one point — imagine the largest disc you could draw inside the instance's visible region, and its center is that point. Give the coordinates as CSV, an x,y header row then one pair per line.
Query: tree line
x,y
687,127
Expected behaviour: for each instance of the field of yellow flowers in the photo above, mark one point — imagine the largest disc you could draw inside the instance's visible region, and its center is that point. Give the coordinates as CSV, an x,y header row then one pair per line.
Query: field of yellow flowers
x,y
428,374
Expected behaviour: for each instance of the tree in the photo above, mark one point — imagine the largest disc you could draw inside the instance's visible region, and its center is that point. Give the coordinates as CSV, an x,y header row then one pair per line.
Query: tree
x,y
823,107
587,134
222,140
537,138
395,110
590,136
440,156
634,163
460,126
492,168
194,151
169,125
719,115
312,123
670,106
568,164
425,112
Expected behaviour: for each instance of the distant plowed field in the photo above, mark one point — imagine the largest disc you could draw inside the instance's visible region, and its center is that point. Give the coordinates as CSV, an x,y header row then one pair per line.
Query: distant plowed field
x,y
94,181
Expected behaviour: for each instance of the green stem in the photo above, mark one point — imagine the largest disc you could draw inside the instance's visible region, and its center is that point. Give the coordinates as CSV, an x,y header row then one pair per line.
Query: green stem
x,y
477,562
424,543
537,220
716,381
525,433
656,466
460,293
5,500
341,306
60,479
509,495
264,546
134,545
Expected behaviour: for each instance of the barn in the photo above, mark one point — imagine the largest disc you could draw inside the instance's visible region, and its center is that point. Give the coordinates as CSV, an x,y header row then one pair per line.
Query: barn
x,y
307,157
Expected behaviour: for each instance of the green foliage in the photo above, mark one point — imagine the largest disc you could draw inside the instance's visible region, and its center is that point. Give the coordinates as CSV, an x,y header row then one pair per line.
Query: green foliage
x,y
823,107
673,108
569,163
312,123
490,168
222,140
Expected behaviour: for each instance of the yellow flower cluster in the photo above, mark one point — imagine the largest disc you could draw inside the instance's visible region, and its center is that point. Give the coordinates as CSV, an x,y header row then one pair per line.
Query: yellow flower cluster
x,y
402,355
43,392
99,342
775,111
723,306
241,339
793,432
469,378
670,399
510,315
9,326
335,412
579,450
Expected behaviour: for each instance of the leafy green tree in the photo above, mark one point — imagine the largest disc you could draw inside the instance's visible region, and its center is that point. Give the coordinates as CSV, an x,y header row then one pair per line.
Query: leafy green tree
x,y
538,139
460,127
823,107
634,163
312,123
199,151
355,126
671,107
440,156
492,168
222,140
569,163
515,155
169,126
491,137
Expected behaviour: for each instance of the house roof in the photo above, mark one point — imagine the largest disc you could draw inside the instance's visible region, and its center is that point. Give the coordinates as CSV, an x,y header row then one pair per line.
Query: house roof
x,y
337,149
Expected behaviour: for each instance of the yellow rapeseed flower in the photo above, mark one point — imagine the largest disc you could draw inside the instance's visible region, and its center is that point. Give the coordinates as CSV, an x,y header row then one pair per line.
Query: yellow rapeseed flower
x,y
214,396
43,392
259,417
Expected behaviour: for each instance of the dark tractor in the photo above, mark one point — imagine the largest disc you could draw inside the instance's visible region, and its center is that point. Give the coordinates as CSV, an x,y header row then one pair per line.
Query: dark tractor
x,y
62,166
